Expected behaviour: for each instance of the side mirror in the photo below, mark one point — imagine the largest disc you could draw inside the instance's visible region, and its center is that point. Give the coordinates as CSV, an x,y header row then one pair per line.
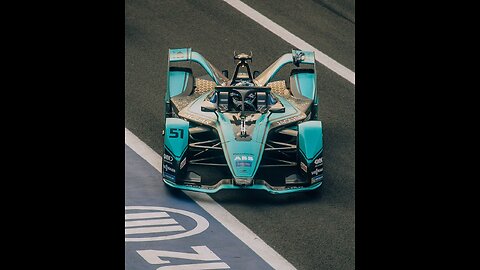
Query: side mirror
x,y
277,108
256,73
208,106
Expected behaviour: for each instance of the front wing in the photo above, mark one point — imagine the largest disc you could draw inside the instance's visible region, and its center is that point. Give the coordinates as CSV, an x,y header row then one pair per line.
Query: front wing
x,y
257,184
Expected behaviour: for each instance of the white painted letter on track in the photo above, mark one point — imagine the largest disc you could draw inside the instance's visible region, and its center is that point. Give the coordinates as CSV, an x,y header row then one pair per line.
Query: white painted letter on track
x,y
203,253
197,266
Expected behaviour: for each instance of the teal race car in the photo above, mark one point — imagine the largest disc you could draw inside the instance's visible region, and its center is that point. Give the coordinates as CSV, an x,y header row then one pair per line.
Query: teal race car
x,y
244,131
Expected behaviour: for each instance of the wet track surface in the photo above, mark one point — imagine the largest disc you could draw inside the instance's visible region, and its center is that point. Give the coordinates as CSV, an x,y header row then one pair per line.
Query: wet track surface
x,y
311,231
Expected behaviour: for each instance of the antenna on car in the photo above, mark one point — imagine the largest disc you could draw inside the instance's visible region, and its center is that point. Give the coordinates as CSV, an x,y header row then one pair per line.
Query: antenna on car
x,y
242,57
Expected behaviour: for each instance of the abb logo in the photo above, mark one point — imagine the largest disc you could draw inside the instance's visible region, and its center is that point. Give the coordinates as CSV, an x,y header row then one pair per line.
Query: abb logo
x,y
249,158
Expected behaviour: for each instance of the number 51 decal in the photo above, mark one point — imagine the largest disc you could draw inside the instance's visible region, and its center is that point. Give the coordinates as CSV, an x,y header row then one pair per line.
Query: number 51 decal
x,y
176,133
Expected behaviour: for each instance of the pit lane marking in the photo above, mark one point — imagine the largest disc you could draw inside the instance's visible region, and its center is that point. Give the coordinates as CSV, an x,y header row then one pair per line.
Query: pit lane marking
x,y
154,229
138,223
146,215
242,232
144,222
284,34
203,253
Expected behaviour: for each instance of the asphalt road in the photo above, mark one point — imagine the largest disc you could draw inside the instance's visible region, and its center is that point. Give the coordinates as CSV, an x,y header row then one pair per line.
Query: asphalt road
x,y
312,232
143,190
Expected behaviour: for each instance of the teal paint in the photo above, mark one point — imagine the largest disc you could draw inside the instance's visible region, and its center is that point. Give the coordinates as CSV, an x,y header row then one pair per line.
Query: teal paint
x,y
177,82
265,77
310,139
231,186
306,83
186,54
176,136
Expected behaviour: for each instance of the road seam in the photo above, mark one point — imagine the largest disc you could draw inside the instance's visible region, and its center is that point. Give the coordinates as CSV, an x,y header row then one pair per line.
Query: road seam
x,y
299,43
242,232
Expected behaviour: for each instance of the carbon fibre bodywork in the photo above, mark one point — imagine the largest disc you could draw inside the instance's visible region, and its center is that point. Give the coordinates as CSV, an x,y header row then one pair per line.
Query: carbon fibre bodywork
x,y
228,133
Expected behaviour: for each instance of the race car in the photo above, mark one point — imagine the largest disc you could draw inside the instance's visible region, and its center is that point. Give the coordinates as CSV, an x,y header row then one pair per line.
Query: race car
x,y
245,131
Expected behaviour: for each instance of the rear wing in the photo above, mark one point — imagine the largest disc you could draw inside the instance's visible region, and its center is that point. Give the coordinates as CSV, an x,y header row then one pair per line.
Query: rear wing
x,y
186,54
296,57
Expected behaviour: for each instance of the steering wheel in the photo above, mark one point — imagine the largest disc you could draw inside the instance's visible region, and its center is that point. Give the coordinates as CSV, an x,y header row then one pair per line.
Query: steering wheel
x,y
237,100
249,100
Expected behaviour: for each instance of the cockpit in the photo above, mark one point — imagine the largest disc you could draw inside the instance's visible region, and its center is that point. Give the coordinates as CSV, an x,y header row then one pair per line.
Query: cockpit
x,y
244,99
246,103
241,93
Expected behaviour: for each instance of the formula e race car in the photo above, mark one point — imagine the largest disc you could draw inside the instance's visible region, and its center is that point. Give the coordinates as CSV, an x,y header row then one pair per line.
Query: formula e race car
x,y
243,131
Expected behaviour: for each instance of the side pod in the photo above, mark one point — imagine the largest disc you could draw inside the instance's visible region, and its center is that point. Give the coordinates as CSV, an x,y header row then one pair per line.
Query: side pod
x,y
310,148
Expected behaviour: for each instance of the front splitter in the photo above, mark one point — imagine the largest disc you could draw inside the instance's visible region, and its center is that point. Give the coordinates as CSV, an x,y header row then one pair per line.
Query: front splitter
x,y
264,186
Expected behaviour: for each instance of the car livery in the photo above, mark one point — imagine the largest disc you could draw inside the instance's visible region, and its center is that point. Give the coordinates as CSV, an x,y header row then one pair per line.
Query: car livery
x,y
244,131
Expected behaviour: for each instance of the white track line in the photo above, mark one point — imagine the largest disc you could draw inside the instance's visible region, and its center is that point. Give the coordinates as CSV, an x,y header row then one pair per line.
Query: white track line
x,y
232,224
241,231
284,34
143,150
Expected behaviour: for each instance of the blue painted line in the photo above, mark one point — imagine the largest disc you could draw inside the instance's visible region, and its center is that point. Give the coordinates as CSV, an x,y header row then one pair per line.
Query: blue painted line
x,y
144,187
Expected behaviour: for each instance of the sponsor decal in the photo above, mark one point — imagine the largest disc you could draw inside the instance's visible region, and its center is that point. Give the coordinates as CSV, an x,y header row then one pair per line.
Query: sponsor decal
x,y
179,55
293,187
318,161
169,176
303,166
243,164
243,157
167,168
194,186
184,161
317,178
167,158
196,118
317,171
289,120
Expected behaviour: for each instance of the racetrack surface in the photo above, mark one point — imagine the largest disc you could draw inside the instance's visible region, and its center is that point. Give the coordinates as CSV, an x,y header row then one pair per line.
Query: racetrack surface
x,y
311,231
